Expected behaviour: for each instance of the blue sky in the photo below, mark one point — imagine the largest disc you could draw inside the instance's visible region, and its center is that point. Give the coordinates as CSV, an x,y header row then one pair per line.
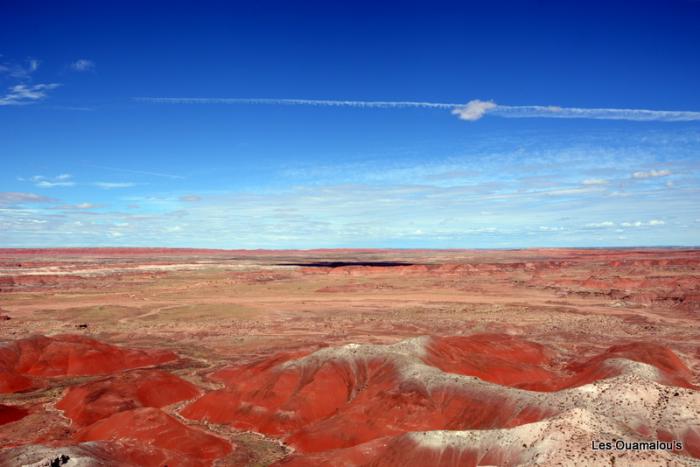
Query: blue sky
x,y
497,124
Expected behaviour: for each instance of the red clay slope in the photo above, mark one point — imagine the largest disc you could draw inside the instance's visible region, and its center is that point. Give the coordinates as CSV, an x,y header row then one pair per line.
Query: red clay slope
x,y
11,413
122,407
153,427
359,403
67,355
341,397
513,362
90,402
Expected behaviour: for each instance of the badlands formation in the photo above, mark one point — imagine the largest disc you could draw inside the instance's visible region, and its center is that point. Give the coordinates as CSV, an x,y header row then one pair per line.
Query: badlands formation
x,y
130,357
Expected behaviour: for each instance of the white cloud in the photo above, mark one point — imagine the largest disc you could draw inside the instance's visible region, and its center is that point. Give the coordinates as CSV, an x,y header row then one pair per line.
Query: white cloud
x,y
79,206
48,184
651,223
620,194
341,215
113,185
595,181
190,198
651,174
83,65
41,181
9,198
137,172
21,94
571,191
600,225
348,207
474,110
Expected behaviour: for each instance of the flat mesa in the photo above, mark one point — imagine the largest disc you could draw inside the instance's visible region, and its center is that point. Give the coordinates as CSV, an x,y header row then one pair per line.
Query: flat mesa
x,y
349,357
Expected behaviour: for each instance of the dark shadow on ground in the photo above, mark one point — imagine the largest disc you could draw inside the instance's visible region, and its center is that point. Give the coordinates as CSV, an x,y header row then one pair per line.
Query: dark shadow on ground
x,y
338,264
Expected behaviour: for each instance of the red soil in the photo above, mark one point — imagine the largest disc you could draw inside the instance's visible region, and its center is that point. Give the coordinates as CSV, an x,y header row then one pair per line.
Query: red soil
x,y
690,437
11,413
123,406
13,382
673,371
152,426
510,361
323,403
351,404
391,409
88,403
68,355
691,442
500,359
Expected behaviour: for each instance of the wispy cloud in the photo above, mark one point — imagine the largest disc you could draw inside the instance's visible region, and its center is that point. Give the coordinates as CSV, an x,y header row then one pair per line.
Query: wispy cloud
x,y
10,198
651,223
66,180
82,64
471,111
42,181
629,224
356,215
19,71
33,65
486,199
137,172
651,174
113,185
79,206
49,184
595,181
600,225
22,94
570,191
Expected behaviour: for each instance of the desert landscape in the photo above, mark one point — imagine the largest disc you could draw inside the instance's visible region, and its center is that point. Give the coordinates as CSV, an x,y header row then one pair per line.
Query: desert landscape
x,y
350,234
186,357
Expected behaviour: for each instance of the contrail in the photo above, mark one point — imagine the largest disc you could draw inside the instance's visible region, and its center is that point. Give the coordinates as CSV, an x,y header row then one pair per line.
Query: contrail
x,y
639,115
138,172
319,103
471,111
